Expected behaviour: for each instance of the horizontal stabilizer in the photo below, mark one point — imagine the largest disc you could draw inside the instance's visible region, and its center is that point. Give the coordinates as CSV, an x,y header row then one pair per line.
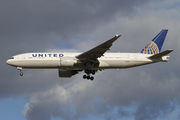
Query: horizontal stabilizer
x,y
160,55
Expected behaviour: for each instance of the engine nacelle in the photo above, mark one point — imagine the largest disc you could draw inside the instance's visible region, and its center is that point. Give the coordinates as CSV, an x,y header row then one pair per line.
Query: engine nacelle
x,y
66,73
67,61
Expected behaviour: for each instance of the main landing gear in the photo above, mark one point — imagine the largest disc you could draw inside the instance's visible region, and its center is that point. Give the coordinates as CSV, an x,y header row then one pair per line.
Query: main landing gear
x,y
20,69
88,72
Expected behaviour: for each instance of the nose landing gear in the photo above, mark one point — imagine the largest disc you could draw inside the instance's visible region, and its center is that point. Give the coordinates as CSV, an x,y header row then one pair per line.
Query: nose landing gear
x,y
20,69
21,74
88,72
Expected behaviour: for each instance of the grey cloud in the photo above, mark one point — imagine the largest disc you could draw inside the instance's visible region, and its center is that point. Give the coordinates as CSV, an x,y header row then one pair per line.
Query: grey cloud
x,y
43,104
28,26
147,110
65,18
154,97
40,25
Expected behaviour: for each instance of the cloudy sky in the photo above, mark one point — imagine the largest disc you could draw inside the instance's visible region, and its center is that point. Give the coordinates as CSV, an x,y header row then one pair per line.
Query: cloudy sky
x,y
147,92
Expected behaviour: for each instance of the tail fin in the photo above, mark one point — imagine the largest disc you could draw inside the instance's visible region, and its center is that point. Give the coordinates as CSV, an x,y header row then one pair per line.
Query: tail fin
x,y
155,45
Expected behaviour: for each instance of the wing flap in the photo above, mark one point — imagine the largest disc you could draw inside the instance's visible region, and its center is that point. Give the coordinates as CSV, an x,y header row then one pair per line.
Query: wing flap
x,y
160,55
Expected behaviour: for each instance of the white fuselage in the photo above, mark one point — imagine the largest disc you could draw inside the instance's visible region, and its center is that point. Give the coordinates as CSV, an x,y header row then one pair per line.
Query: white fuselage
x,y
54,60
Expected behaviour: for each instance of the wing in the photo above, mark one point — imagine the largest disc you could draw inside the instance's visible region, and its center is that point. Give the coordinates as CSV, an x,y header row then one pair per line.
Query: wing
x,y
98,51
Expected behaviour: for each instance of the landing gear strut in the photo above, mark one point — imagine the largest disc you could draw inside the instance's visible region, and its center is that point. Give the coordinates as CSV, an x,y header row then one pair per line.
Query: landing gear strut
x,y
20,69
88,72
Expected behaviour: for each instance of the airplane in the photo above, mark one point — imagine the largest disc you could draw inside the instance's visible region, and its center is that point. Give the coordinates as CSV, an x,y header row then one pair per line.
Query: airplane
x,y
93,60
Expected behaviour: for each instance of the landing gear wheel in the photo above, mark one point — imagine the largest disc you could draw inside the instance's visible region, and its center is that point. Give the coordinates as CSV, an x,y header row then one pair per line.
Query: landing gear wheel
x,y
92,78
93,72
84,76
21,74
88,74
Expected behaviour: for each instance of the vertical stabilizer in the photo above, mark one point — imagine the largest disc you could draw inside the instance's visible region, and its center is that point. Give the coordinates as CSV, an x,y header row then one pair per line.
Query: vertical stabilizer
x,y
154,46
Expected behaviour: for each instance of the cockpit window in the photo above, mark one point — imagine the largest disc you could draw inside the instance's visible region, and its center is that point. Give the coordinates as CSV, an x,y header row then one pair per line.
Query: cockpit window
x,y
12,58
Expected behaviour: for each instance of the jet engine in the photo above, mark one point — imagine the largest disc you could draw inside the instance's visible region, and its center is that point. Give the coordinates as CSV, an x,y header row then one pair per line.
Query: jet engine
x,y
67,62
66,73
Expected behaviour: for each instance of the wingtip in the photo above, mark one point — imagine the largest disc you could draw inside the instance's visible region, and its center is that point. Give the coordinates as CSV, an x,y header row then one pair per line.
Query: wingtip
x,y
170,50
117,35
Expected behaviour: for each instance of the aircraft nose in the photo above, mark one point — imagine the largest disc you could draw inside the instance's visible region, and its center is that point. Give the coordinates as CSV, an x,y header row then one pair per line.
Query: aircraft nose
x,y
10,62
7,62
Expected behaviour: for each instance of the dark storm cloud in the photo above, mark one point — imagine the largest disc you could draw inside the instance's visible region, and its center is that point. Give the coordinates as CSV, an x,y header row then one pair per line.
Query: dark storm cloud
x,y
64,18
